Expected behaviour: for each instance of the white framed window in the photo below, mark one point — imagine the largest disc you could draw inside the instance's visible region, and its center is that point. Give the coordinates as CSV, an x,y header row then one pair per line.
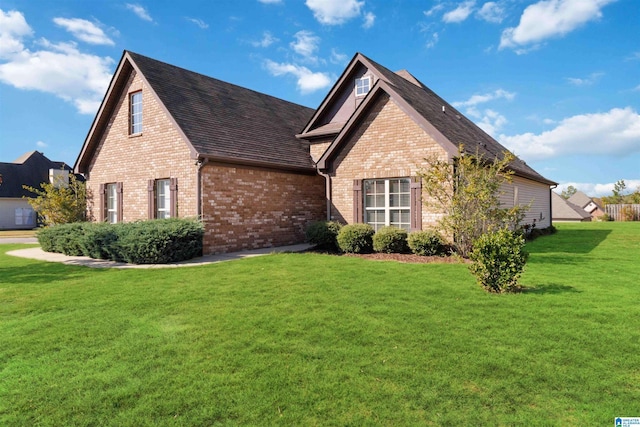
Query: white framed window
x,y
112,203
163,199
25,216
363,85
388,202
135,102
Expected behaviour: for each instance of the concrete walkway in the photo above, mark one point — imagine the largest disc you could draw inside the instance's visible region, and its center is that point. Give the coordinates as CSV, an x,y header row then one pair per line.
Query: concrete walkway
x,y
40,255
18,240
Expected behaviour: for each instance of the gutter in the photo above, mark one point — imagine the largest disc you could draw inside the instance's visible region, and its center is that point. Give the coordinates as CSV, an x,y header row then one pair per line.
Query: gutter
x,y
551,188
327,191
200,164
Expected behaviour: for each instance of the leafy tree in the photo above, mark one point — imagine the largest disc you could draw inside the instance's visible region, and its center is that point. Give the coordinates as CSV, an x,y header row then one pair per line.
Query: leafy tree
x,y
568,192
60,203
467,194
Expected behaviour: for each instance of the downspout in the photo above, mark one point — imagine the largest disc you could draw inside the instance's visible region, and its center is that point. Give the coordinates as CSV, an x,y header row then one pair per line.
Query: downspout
x,y
327,191
550,206
200,164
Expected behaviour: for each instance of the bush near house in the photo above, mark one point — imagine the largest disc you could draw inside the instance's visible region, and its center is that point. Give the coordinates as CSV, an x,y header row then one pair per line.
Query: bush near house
x,y
426,243
144,242
498,260
324,234
356,238
390,240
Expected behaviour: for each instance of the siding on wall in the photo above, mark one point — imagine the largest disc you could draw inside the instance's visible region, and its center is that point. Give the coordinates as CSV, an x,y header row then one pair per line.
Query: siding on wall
x,y
529,191
387,144
251,208
159,152
8,208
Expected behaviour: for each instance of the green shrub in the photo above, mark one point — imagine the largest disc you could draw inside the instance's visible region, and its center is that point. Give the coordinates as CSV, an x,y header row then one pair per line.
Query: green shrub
x,y
145,242
324,234
356,238
390,240
498,260
426,243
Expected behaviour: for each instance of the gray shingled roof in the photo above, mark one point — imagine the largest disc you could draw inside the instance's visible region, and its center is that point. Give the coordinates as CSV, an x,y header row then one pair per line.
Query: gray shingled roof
x,y
222,120
580,199
30,169
451,123
562,209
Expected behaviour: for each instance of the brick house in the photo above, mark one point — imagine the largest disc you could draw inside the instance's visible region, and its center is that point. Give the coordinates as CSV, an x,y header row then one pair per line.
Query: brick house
x,y
170,142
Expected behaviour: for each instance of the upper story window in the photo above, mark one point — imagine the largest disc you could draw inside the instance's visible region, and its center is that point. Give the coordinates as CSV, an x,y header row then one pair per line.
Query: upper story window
x,y
363,85
135,103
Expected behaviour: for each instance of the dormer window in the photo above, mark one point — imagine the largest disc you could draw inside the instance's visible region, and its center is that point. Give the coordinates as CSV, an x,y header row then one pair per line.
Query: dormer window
x,y
363,85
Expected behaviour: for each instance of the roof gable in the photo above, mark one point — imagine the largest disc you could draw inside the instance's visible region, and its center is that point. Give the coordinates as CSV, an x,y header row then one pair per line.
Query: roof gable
x,y
31,169
445,123
218,120
564,209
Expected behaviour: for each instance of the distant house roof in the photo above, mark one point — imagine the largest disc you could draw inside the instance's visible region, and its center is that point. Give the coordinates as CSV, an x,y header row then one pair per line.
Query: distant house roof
x,y
564,210
428,106
220,121
30,169
581,199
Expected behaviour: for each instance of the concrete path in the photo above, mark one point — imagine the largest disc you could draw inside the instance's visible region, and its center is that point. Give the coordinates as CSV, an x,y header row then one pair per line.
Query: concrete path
x,y
40,255
18,240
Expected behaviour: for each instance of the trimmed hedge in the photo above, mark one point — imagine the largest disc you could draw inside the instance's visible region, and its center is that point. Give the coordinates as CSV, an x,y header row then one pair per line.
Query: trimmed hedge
x,y
426,243
390,240
356,238
324,234
145,242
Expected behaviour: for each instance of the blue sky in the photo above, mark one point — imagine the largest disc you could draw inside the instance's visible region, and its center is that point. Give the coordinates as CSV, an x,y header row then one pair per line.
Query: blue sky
x,y
556,81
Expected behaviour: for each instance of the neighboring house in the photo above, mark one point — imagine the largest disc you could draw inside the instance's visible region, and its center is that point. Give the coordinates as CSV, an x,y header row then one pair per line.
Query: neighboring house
x,y
31,169
565,211
257,169
591,206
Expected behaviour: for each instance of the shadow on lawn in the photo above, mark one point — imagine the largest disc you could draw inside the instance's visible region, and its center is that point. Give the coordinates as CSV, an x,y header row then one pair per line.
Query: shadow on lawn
x,y
40,273
551,289
572,241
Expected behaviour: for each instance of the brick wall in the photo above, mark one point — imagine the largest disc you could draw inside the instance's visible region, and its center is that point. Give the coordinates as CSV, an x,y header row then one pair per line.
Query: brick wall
x,y
159,152
250,208
387,144
318,147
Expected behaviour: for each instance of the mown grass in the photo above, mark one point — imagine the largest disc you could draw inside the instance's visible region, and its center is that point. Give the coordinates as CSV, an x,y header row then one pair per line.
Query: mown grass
x,y
310,339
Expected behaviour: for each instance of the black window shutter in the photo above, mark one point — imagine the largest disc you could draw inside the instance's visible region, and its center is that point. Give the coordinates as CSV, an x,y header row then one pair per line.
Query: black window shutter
x,y
119,201
357,201
416,203
151,195
173,194
103,202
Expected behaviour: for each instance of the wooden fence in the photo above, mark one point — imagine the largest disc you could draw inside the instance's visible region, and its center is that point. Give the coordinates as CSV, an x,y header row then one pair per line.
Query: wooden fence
x,y
623,212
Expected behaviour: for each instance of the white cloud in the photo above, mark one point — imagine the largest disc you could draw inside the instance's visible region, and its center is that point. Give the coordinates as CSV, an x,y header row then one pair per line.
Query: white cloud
x,y
460,13
491,122
60,69
337,57
633,57
334,12
491,12
481,99
13,28
551,18
306,44
140,11
616,132
308,81
267,40
587,81
437,8
598,190
84,30
369,20
41,144
433,40
199,22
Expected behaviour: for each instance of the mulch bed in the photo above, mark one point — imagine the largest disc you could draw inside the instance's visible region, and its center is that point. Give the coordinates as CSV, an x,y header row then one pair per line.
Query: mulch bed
x,y
405,258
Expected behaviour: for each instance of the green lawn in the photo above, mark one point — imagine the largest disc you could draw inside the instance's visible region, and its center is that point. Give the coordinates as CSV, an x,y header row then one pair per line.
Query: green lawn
x,y
310,339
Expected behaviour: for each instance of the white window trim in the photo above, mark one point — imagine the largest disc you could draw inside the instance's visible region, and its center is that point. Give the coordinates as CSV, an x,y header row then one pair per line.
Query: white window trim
x,y
387,205
112,209
164,212
368,79
133,116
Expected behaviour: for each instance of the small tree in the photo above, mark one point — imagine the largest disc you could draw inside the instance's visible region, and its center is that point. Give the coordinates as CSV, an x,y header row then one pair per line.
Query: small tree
x,y
58,203
467,194
568,192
